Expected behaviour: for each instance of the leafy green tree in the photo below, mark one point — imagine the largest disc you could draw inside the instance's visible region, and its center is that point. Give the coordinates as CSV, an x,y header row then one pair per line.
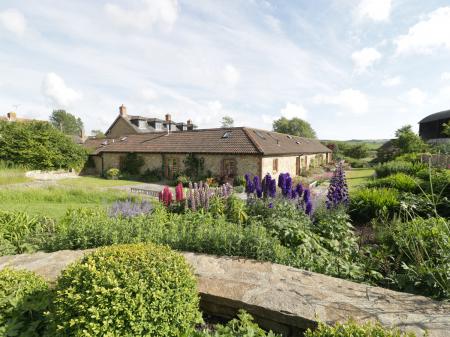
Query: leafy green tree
x,y
294,126
66,122
408,142
227,122
446,129
38,145
357,151
98,133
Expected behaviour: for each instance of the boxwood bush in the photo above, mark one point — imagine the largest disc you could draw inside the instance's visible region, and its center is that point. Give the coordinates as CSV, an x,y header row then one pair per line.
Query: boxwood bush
x,y
368,203
24,297
352,329
126,290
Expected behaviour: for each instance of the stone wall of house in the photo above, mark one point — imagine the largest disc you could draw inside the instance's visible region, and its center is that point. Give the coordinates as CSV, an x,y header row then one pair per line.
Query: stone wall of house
x,y
212,162
121,128
289,163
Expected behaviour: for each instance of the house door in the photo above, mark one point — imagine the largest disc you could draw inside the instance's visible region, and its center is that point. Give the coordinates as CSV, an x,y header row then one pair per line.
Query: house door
x,y
229,167
171,168
298,166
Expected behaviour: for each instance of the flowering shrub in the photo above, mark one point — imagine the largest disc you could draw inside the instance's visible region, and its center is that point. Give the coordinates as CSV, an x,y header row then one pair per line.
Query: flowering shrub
x,y
129,208
166,196
338,189
199,195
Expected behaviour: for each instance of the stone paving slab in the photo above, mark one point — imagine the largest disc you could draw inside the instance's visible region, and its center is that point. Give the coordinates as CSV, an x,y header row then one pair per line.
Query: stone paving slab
x,y
283,298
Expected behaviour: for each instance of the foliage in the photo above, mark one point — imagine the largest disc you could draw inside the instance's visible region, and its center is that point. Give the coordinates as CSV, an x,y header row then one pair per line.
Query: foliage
x,y
397,166
98,134
130,208
112,173
294,126
12,174
357,151
400,181
153,175
239,181
356,163
21,233
368,203
418,252
407,141
194,167
184,180
352,329
131,163
66,122
446,129
24,297
242,326
128,290
38,145
227,122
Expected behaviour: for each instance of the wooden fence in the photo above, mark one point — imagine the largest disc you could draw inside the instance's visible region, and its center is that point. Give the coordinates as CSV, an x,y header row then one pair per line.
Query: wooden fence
x,y
150,193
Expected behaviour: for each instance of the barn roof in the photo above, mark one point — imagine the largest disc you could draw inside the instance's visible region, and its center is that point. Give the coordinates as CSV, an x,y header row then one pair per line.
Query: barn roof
x,y
436,116
240,140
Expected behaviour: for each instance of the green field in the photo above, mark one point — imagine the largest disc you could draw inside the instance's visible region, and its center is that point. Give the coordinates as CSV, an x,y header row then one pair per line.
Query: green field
x,y
358,177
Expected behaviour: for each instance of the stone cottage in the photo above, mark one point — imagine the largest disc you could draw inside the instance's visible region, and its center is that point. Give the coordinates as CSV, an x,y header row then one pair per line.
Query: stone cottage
x,y
226,152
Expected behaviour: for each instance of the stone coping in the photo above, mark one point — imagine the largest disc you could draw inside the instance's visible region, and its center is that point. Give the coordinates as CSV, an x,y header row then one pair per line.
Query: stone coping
x,y
282,298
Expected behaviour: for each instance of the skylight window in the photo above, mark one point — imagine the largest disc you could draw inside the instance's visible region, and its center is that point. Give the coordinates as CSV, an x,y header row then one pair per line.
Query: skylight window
x,y
227,134
123,139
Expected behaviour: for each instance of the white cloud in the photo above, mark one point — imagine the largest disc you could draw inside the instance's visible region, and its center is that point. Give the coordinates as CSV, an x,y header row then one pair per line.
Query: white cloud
x,y
215,106
416,96
149,94
348,100
376,10
428,34
292,110
365,58
152,12
231,75
392,81
14,21
54,88
445,76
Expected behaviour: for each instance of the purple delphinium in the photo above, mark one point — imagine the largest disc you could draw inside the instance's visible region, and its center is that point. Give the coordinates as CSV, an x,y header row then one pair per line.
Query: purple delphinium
x,y
129,208
309,208
282,180
307,196
266,185
258,187
299,189
338,190
287,186
270,205
273,188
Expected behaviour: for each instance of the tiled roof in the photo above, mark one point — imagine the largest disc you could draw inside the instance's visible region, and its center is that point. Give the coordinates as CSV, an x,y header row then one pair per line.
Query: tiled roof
x,y
223,140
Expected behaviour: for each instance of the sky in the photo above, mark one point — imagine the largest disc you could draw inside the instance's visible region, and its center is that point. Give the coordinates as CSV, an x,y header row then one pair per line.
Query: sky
x,y
354,69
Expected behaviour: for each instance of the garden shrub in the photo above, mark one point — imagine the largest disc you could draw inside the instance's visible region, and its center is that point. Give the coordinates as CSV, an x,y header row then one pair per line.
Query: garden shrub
x,y
352,329
440,181
128,290
112,174
420,249
397,166
22,233
400,181
239,181
183,180
131,164
24,297
368,203
153,175
242,326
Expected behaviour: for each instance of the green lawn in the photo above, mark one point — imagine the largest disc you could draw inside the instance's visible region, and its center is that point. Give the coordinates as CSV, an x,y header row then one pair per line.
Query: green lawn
x,y
357,177
94,182
12,176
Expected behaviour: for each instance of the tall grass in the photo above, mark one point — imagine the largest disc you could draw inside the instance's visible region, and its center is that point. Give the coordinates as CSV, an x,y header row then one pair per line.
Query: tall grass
x,y
12,174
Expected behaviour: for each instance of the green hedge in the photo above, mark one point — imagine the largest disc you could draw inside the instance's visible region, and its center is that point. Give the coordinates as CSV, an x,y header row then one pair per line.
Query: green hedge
x,y
368,203
24,297
397,166
127,290
400,181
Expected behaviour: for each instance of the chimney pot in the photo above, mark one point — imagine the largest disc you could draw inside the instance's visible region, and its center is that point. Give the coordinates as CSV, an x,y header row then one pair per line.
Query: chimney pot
x,y
189,122
123,110
168,118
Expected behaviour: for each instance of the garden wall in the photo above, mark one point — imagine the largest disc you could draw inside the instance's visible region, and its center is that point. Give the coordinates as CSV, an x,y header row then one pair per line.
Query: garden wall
x,y
281,298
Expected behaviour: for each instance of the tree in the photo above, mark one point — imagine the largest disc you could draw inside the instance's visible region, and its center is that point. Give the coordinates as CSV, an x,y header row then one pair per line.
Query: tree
x,y
38,145
227,122
66,122
407,141
357,151
446,129
98,134
294,126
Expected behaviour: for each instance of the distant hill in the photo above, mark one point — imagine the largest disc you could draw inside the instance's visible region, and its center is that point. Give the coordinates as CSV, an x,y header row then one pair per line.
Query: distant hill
x,y
372,144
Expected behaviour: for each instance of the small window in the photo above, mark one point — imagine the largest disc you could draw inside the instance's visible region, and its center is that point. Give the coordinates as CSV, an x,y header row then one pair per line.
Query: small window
x,y
227,134
275,165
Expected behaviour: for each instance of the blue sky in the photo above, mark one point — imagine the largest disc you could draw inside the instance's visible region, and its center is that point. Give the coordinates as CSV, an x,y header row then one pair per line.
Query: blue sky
x,y
352,68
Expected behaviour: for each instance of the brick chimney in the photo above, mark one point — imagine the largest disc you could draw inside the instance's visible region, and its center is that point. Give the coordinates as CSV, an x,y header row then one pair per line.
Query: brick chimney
x,y
123,111
190,126
12,117
168,118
